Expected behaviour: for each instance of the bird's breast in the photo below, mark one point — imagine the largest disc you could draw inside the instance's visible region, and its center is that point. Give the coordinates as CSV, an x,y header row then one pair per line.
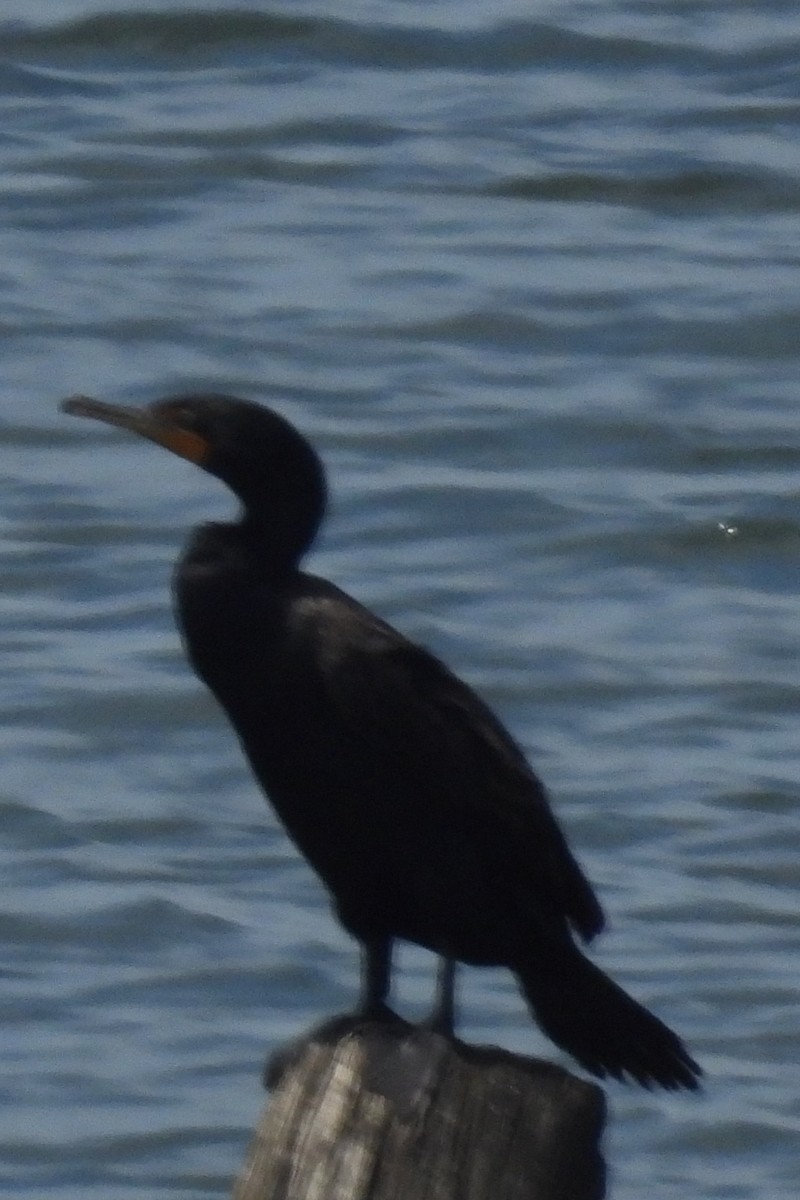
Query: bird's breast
x,y
231,624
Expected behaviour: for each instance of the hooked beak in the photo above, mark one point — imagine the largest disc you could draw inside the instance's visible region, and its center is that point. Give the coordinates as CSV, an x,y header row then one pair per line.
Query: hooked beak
x,y
184,442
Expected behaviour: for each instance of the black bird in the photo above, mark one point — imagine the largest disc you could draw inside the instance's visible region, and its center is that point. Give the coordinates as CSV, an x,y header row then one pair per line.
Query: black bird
x,y
399,785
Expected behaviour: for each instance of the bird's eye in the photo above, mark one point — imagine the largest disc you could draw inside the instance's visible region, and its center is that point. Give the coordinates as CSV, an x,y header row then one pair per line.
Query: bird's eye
x,y
177,414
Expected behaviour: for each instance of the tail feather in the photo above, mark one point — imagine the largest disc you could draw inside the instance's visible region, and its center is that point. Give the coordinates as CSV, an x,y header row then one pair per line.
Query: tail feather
x,y
601,1026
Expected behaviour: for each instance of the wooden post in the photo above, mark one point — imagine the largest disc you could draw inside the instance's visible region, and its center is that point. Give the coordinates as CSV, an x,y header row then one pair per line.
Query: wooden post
x,y
374,1110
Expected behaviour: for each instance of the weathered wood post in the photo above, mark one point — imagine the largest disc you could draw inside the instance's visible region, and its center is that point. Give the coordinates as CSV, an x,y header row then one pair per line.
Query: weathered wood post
x,y
386,1111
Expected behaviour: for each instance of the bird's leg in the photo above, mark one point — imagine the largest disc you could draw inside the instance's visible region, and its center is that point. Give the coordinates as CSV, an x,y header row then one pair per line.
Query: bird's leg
x,y
376,969
443,1017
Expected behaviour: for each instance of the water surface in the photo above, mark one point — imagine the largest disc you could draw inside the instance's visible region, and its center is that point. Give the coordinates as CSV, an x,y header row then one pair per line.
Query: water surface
x,y
528,276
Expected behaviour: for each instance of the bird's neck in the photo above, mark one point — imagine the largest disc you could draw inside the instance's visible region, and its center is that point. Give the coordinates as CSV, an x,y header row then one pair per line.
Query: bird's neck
x,y
274,542
279,529
266,551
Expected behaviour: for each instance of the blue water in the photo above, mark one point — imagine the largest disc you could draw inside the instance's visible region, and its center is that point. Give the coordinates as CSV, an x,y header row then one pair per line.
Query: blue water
x,y
527,274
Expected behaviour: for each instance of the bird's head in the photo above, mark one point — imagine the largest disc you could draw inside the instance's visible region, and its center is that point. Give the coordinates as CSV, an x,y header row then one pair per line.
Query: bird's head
x,y
261,457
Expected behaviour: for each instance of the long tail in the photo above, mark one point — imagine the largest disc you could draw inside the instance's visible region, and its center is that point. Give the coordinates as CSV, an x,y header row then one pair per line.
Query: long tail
x,y
600,1025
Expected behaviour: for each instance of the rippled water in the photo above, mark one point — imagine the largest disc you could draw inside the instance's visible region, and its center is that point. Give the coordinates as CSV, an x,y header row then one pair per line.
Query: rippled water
x,y
528,275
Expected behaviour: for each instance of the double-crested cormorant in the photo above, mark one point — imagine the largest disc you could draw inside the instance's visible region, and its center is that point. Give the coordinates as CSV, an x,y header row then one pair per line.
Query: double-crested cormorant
x,y
398,784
